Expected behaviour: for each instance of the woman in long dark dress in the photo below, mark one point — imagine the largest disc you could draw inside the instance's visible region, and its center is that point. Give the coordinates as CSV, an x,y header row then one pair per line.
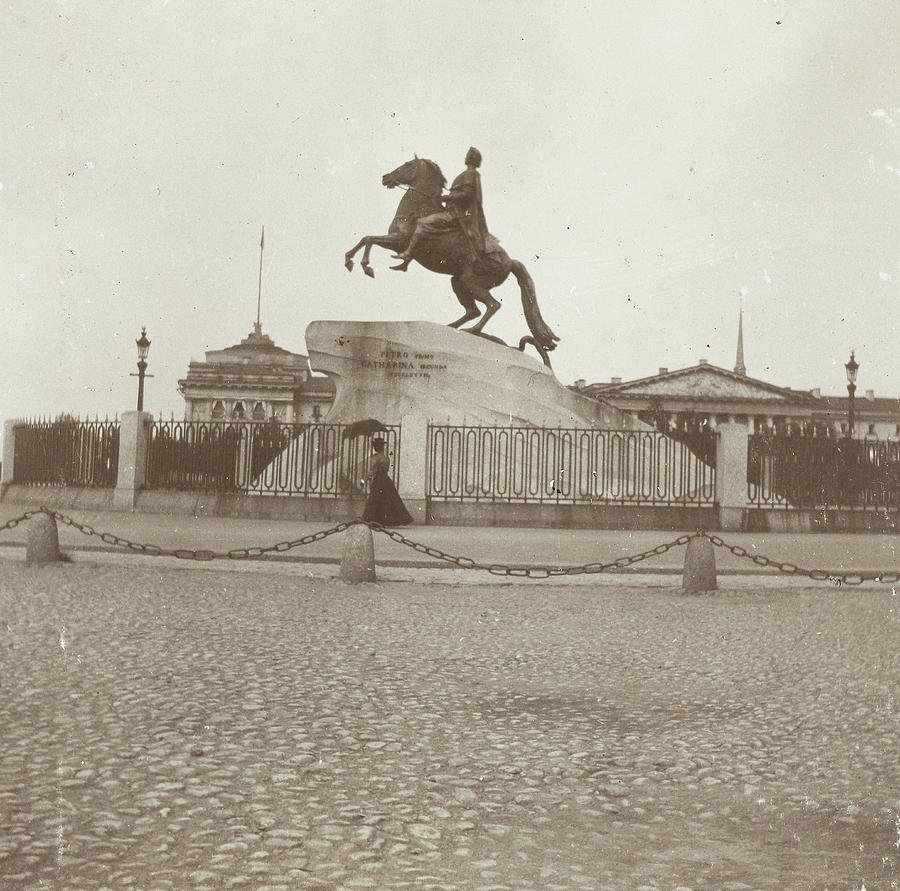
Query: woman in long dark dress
x,y
384,505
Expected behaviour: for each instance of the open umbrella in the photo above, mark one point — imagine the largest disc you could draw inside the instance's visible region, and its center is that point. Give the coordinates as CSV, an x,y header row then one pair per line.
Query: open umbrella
x,y
363,428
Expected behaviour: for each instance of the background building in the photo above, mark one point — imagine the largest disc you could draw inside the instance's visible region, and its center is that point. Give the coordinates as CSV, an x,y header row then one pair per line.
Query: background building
x,y
255,380
705,395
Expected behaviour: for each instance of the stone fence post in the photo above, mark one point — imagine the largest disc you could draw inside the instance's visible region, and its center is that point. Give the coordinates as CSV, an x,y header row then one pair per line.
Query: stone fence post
x,y
731,475
9,455
134,439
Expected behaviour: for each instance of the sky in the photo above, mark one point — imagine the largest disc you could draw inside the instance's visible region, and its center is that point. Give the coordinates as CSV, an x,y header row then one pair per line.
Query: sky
x,y
655,165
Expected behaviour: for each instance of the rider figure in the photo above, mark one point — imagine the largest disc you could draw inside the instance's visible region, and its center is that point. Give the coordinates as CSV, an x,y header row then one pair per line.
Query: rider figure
x,y
463,210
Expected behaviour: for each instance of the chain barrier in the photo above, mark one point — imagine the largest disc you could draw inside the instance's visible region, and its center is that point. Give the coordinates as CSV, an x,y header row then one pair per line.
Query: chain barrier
x,y
500,569
522,571
11,524
202,555
819,575
532,572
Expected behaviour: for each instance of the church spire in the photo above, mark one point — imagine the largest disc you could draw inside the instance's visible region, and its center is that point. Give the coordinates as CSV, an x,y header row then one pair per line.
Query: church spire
x,y
739,367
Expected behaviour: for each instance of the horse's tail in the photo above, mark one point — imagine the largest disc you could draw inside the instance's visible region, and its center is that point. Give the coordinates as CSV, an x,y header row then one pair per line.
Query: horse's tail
x,y
536,324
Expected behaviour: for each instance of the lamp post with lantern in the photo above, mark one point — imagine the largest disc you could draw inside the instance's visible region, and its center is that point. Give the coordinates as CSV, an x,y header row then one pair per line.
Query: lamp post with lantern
x,y
143,346
851,367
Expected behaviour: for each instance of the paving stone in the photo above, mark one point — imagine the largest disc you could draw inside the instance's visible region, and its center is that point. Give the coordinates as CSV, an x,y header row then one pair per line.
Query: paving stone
x,y
422,830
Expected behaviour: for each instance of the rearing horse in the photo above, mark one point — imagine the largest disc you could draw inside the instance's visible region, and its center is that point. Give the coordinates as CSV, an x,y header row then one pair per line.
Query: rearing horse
x,y
450,254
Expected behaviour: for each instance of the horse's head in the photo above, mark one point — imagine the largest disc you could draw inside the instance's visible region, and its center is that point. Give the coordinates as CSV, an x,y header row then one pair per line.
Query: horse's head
x,y
421,173
402,175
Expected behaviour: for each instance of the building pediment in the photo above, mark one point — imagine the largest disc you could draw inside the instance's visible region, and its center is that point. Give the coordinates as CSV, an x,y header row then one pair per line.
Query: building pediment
x,y
701,382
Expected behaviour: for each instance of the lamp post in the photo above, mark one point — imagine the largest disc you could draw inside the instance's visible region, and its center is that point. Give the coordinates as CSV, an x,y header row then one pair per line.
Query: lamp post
x,y
851,367
143,346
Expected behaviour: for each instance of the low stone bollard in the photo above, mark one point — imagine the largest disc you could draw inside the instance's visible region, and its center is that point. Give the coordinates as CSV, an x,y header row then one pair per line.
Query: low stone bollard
x,y
700,566
358,559
42,540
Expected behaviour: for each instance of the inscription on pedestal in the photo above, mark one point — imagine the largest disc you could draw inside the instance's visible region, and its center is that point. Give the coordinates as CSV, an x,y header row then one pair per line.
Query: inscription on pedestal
x,y
402,364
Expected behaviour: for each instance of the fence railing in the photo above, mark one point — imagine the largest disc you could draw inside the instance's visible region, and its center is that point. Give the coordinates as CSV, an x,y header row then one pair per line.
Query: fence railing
x,y
559,465
817,472
316,460
66,453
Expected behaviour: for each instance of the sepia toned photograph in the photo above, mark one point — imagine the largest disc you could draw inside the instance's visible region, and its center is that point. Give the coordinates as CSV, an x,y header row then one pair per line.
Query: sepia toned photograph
x,y
450,445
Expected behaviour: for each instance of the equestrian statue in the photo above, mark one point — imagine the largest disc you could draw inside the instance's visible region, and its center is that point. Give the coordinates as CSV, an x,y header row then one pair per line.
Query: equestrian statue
x,y
448,234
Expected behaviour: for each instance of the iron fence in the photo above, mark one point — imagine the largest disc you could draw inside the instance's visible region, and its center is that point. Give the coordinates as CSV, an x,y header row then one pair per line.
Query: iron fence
x,y
66,453
271,458
569,465
798,471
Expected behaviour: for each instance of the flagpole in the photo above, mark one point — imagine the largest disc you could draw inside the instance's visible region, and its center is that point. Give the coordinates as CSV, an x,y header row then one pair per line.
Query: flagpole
x,y
262,241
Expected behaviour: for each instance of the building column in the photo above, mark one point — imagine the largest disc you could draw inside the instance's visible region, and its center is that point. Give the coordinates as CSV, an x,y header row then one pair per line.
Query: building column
x,y
134,440
731,475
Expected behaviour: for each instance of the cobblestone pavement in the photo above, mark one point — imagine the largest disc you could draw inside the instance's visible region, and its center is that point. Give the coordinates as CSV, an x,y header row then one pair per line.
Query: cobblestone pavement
x,y
169,729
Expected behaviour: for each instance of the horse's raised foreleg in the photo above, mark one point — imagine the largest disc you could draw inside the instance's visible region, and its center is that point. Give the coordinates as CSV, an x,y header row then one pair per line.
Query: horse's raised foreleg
x,y
391,242
464,296
348,257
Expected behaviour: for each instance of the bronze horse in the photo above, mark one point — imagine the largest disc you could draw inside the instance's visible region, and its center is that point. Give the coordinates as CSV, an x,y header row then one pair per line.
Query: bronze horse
x,y
451,254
